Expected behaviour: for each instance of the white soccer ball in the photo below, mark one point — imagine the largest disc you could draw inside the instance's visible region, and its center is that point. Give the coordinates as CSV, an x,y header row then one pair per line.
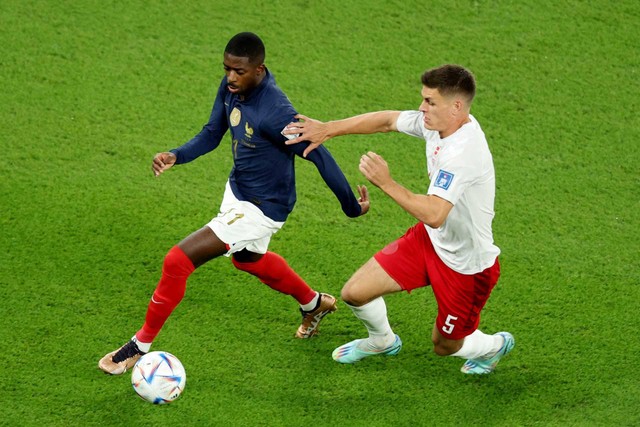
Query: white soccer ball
x,y
158,377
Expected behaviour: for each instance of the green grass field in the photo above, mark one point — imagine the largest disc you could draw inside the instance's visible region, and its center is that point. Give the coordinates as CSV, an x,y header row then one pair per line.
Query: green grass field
x,y
92,90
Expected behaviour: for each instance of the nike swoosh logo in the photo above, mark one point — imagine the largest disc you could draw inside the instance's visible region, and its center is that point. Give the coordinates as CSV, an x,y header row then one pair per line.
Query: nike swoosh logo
x,y
154,301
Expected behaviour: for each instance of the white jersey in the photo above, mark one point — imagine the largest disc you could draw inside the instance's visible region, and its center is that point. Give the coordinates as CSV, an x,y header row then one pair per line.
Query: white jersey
x,y
461,171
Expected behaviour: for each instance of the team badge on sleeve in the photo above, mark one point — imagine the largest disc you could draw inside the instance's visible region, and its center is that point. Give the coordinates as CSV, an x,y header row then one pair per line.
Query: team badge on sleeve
x,y
444,179
290,126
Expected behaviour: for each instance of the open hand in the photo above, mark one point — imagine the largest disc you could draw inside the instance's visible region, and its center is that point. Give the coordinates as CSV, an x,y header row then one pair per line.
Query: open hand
x,y
311,130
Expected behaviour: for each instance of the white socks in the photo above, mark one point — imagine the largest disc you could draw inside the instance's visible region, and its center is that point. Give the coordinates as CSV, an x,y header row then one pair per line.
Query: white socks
x,y
374,316
142,346
311,304
479,345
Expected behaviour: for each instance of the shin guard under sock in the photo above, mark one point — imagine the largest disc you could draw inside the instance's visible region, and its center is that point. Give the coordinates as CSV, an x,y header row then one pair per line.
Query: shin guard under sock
x,y
374,316
479,345
170,290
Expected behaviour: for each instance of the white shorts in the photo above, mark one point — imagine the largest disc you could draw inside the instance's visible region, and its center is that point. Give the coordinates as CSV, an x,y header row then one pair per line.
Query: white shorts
x,y
242,225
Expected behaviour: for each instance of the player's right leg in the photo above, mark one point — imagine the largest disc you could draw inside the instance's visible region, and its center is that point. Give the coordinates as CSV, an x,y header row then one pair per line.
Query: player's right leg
x,y
363,294
178,265
398,266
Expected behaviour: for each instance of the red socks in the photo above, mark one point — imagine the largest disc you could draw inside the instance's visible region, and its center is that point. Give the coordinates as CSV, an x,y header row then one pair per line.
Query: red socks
x,y
274,271
170,290
271,269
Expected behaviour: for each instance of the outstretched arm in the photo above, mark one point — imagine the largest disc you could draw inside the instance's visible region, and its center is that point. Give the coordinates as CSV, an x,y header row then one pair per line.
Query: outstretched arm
x,y
336,181
317,132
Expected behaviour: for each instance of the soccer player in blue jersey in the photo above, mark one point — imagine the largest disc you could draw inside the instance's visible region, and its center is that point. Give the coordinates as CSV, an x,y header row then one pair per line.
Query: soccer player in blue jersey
x,y
260,193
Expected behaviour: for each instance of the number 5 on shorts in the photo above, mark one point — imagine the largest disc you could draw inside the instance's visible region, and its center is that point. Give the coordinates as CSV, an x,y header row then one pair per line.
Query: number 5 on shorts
x,y
448,324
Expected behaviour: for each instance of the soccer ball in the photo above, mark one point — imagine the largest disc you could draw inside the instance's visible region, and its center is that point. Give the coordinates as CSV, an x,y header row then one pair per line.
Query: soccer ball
x,y
158,377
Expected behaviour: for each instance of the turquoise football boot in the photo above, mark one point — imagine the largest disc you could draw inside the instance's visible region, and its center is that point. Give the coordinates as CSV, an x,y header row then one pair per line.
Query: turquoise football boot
x,y
486,366
356,350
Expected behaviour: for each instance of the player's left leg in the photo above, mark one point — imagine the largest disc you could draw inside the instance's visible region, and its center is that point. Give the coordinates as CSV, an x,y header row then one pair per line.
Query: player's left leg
x,y
494,347
247,232
460,299
474,345
276,273
482,351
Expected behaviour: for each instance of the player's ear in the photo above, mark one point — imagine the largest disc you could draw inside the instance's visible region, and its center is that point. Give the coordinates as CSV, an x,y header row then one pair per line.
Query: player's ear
x,y
260,69
458,106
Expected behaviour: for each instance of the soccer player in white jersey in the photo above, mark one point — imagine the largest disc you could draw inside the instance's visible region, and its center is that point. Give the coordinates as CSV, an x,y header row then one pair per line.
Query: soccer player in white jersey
x,y
451,248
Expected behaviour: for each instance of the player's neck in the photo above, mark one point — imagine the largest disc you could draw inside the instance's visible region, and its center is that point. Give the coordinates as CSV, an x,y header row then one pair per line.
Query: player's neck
x,y
455,125
259,81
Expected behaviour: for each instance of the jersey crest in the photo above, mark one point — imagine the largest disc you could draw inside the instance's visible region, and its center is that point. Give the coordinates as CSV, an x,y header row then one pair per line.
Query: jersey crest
x,y
444,179
248,131
234,117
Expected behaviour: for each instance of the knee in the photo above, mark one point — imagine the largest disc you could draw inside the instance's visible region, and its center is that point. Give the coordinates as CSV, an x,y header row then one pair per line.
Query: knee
x,y
351,296
244,256
177,263
241,265
170,260
258,266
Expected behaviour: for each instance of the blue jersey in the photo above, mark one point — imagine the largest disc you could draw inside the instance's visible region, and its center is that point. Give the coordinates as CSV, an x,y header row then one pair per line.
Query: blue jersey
x,y
263,166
